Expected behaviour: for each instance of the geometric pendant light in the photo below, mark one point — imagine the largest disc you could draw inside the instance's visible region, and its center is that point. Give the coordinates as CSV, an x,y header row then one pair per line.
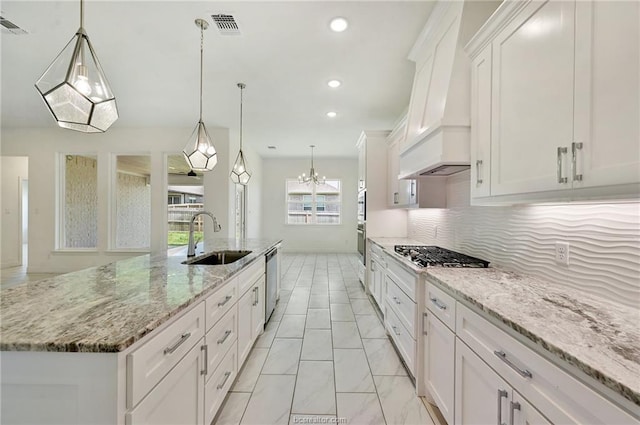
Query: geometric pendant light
x,y
199,151
239,173
75,88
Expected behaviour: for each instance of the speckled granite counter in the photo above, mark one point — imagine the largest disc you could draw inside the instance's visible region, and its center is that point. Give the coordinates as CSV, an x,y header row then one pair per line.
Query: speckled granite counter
x,y
108,308
598,337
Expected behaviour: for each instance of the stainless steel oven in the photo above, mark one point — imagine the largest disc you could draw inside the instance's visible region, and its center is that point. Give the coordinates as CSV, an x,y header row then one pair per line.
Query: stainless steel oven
x,y
362,206
361,240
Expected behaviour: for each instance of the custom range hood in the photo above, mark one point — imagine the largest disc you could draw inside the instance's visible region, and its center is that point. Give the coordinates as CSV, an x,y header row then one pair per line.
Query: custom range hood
x,y
438,123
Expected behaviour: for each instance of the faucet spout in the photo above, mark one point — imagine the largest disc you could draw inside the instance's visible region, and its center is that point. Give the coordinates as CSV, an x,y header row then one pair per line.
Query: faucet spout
x,y
191,249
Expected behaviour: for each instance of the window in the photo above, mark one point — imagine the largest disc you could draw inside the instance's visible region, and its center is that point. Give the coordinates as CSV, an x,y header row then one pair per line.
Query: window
x,y
308,203
185,196
78,200
132,204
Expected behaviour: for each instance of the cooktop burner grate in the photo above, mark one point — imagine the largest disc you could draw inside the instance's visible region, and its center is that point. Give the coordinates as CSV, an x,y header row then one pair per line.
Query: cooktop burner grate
x,y
430,256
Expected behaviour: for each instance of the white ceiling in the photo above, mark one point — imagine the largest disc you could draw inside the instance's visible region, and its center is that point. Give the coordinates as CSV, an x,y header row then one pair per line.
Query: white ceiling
x,y
286,53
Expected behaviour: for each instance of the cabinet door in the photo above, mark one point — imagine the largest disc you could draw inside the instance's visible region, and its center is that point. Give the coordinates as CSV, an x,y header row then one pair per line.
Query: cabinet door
x,y
258,311
245,325
481,396
524,413
607,93
374,284
362,165
393,169
439,365
481,124
178,398
532,99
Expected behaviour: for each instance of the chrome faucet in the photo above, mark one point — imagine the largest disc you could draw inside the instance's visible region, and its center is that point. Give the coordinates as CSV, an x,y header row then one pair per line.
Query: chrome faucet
x,y
191,250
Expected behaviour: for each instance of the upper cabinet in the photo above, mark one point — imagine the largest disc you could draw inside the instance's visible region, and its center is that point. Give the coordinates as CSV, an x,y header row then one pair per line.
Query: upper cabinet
x,y
399,192
555,102
436,141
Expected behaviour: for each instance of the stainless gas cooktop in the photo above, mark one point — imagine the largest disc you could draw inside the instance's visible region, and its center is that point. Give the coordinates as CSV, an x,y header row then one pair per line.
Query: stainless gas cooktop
x,y
434,256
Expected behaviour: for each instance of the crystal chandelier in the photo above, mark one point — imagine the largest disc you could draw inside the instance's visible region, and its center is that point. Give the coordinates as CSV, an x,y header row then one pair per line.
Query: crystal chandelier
x,y
75,89
313,176
199,151
239,173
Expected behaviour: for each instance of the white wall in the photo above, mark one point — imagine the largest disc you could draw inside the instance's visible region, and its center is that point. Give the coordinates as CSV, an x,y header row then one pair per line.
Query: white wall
x,y
604,240
14,169
309,238
42,145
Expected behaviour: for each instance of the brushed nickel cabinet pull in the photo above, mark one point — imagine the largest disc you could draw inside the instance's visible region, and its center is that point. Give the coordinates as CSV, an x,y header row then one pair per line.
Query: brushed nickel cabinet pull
x,y
226,300
205,348
224,338
226,377
437,303
561,151
503,356
575,147
174,347
514,406
501,394
478,177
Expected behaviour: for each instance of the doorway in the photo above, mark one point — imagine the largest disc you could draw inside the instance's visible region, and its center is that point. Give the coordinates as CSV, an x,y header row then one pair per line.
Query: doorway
x,y
241,211
24,219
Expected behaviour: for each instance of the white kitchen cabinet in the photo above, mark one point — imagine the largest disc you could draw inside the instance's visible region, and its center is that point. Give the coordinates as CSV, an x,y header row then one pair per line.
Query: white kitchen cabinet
x,y
524,413
257,314
250,318
398,191
439,364
219,383
177,399
377,271
562,79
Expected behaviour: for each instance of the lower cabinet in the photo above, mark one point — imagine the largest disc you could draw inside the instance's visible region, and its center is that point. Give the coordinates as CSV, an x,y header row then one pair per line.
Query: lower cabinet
x,y
219,383
251,310
178,398
439,364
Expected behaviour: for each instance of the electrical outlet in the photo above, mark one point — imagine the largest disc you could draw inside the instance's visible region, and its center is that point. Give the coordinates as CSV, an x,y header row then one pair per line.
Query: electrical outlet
x,y
562,253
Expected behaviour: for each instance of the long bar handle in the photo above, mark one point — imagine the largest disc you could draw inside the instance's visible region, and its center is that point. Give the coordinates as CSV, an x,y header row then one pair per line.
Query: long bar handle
x,y
478,178
561,151
437,303
501,394
205,371
222,384
224,338
255,291
575,147
174,347
395,198
503,356
514,406
395,329
226,300
424,325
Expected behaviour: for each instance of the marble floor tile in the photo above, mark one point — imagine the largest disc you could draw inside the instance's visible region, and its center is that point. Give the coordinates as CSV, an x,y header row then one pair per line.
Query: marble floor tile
x,y
232,409
298,305
318,319
356,293
297,419
383,358
319,300
342,313
338,297
291,326
399,402
317,345
370,326
265,340
346,335
278,312
352,371
337,285
315,389
283,357
362,306
304,283
250,371
285,294
270,402
360,409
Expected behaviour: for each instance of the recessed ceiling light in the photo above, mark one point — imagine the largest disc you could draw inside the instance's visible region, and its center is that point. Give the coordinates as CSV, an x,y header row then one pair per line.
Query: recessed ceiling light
x,y
334,84
331,114
338,24
271,147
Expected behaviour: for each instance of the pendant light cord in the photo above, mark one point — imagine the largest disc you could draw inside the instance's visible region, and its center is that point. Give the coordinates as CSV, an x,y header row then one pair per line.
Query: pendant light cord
x,y
241,90
81,13
201,66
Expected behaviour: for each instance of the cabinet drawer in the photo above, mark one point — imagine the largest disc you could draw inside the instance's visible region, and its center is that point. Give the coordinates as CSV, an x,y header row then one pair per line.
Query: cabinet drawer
x,y
442,305
403,307
405,279
559,396
219,303
220,338
221,380
247,278
404,342
376,251
147,365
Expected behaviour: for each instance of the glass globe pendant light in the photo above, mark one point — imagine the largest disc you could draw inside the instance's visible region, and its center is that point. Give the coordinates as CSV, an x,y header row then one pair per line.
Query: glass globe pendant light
x,y
239,173
199,151
75,88
313,176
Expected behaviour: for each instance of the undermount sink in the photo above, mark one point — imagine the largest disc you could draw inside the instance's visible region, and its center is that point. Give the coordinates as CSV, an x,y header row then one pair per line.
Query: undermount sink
x,y
219,257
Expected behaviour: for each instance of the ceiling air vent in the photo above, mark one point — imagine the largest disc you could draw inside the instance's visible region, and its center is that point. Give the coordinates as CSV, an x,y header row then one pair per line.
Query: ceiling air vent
x,y
226,24
9,27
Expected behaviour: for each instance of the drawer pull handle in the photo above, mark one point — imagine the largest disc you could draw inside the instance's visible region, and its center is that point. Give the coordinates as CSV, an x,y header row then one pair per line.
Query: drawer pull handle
x,y
438,304
226,300
395,330
257,299
501,394
561,151
226,377
514,406
503,356
174,347
478,177
424,325
224,338
205,371
574,160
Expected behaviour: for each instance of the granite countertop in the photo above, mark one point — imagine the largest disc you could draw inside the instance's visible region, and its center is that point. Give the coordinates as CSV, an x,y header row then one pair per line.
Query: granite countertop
x,y
599,337
108,308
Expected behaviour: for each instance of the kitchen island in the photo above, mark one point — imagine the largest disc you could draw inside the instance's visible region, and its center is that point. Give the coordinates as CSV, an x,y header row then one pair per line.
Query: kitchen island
x,y
594,341
81,347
